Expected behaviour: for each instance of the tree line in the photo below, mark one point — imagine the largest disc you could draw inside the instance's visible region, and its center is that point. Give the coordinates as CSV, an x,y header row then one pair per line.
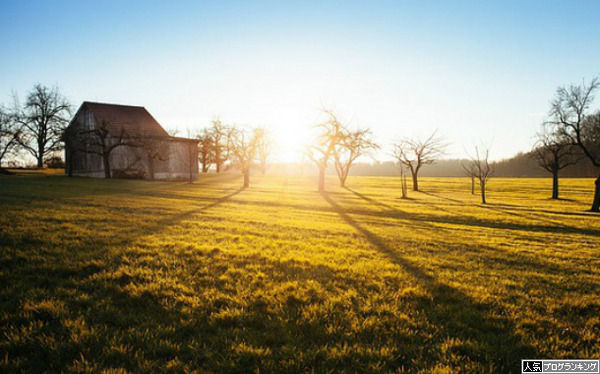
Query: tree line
x,y
523,164
569,136
337,142
220,143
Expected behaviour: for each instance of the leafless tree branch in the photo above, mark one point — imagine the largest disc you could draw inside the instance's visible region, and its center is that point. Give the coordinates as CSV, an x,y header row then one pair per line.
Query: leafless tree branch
x,y
414,153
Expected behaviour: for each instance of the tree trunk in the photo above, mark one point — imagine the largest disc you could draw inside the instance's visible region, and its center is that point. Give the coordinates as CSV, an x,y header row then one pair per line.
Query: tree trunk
x,y
40,157
415,181
596,203
482,184
343,181
246,178
472,185
555,184
321,179
69,162
403,185
106,163
218,164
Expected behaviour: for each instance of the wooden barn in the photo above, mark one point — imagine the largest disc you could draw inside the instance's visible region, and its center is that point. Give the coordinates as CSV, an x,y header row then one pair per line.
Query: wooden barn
x,y
122,141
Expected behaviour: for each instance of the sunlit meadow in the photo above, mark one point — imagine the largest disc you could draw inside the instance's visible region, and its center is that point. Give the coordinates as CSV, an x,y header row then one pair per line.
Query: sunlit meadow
x,y
137,276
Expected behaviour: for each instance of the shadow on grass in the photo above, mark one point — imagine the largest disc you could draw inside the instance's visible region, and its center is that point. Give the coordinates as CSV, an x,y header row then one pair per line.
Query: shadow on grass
x,y
149,330
62,188
369,199
442,197
54,276
456,314
450,218
531,216
561,199
111,319
424,224
170,220
585,213
506,208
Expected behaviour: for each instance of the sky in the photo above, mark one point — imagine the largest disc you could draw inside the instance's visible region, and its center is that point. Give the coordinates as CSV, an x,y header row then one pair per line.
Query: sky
x,y
477,72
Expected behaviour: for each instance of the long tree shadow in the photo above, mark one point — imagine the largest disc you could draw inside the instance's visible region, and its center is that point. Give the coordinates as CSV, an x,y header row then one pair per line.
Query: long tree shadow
x,y
89,260
218,201
499,207
430,205
530,216
94,187
458,202
100,244
156,225
507,207
453,218
369,199
155,322
455,313
394,210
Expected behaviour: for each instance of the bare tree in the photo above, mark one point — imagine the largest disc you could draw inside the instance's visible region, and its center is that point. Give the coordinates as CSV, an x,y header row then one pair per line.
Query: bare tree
x,y
245,147
102,142
554,152
206,149
414,153
9,134
323,147
222,138
569,112
350,146
483,169
264,148
43,118
470,172
403,184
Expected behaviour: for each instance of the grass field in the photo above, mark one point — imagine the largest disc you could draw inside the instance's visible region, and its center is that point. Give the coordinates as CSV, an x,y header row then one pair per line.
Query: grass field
x,y
135,276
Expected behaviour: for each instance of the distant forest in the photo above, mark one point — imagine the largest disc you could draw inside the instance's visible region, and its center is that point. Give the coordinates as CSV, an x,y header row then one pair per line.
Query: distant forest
x,y
521,165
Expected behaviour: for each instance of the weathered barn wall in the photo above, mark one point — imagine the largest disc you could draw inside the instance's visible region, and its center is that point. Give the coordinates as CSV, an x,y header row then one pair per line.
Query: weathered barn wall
x,y
84,163
177,166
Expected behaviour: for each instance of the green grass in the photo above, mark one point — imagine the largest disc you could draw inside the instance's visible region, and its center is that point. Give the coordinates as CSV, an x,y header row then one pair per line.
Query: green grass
x,y
135,276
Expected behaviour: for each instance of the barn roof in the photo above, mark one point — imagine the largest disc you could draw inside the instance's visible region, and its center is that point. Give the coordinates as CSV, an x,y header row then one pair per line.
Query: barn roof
x,y
135,120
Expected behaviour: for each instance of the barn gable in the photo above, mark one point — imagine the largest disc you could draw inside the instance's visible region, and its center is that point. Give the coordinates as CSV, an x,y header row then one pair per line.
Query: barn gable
x,y
135,120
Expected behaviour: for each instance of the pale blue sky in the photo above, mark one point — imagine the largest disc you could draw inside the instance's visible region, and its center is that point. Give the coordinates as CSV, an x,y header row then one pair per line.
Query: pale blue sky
x,y
477,71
